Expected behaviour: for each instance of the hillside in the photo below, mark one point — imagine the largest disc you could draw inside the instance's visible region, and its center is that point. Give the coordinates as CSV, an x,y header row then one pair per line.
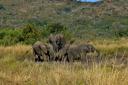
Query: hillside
x,y
16,13
84,20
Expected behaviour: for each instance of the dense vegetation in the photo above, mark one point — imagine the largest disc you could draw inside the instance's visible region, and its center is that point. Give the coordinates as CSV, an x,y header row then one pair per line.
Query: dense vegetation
x,y
31,33
80,20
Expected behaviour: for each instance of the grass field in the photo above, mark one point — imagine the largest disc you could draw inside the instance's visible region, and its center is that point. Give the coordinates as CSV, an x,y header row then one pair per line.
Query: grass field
x,y
18,68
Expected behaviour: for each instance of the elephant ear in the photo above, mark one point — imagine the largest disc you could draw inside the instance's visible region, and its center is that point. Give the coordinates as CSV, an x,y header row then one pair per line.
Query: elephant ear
x,y
43,48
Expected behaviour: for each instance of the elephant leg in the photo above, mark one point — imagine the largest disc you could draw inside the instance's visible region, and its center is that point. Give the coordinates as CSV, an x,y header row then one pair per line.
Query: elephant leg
x,y
36,58
65,58
39,55
47,56
70,58
56,59
39,58
51,58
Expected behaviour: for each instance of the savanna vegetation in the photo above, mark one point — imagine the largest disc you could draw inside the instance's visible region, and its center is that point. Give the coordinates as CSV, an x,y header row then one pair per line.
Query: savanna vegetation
x,y
18,67
104,25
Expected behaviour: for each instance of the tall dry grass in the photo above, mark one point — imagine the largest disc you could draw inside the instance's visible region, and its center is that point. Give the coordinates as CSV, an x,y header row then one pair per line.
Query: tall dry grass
x,y
30,73
18,68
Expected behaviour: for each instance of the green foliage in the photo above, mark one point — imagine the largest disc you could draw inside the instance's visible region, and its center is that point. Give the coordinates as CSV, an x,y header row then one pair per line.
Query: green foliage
x,y
122,33
86,21
9,36
56,28
30,34
68,35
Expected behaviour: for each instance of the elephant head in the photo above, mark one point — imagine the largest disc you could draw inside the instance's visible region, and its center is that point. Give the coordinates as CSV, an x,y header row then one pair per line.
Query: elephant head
x,y
57,41
88,48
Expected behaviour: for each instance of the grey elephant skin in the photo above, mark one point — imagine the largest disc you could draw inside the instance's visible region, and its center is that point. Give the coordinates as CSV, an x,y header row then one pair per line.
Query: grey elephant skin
x,y
57,41
41,51
79,52
57,49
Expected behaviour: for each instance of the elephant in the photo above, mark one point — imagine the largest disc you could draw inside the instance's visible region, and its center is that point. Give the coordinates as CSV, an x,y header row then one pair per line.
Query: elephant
x,y
57,41
42,51
62,54
79,52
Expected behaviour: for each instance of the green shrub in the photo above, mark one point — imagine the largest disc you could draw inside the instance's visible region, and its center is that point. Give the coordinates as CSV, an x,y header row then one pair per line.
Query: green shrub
x,y
2,34
30,34
68,35
9,36
56,28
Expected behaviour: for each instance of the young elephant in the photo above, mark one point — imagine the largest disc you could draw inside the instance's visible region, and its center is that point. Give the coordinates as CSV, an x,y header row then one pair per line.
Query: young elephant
x,y
41,51
79,52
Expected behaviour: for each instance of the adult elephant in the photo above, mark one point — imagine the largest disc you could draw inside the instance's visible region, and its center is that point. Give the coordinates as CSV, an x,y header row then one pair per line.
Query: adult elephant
x,y
79,52
57,41
42,51
62,54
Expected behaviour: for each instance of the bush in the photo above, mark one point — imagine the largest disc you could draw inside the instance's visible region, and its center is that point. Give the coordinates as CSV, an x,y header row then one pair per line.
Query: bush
x,y
56,28
68,35
30,34
9,36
